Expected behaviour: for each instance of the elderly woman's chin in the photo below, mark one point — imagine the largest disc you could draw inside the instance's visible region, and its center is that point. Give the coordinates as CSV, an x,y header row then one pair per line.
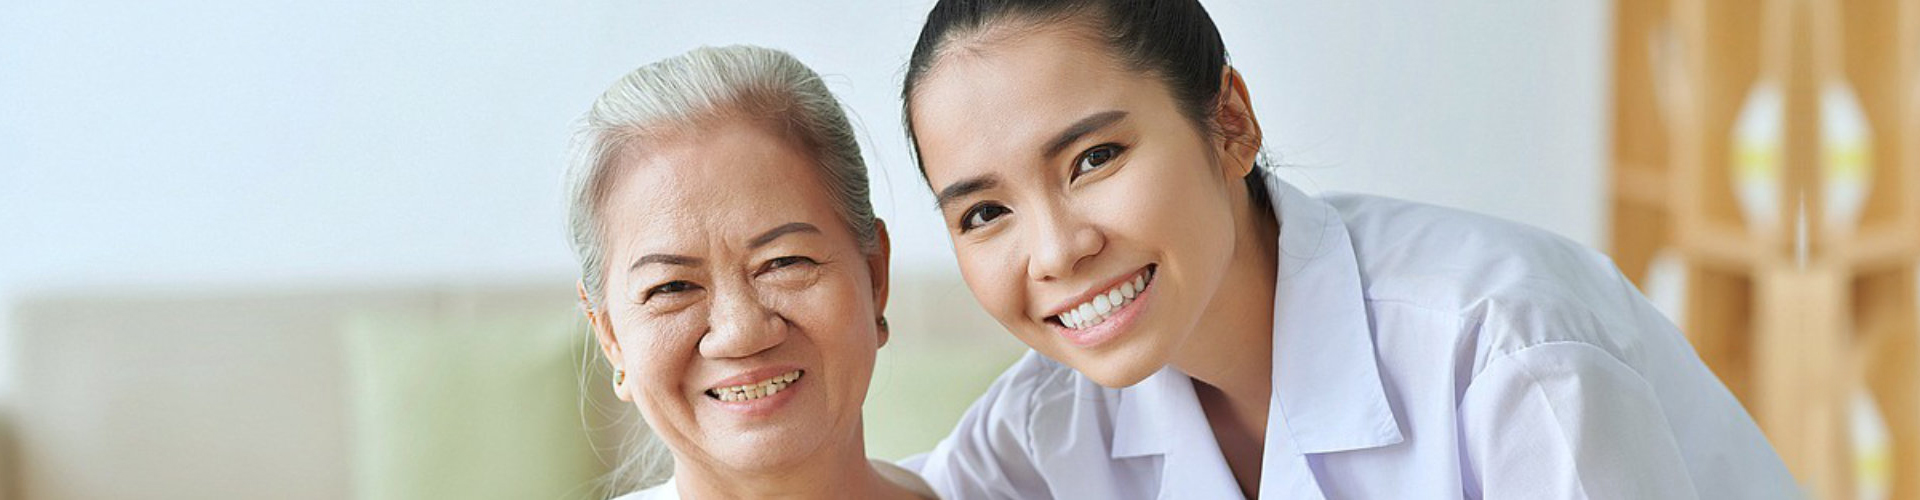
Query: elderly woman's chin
x,y
772,432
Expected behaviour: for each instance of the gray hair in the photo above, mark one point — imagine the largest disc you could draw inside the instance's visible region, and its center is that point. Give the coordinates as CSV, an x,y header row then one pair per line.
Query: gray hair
x,y
703,85
681,94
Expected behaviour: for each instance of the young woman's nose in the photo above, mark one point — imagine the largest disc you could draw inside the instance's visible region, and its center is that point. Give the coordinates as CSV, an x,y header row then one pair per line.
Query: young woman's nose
x,y
1061,242
741,326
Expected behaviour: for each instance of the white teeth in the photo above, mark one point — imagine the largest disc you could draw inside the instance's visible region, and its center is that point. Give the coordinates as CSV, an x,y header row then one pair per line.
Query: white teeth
x,y
1096,311
748,392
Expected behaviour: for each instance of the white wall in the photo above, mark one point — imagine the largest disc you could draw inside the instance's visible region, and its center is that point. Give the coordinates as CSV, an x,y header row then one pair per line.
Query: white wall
x,y
154,145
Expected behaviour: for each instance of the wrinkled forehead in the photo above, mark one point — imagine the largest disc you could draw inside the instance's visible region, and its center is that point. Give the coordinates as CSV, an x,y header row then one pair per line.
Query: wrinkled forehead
x,y
711,187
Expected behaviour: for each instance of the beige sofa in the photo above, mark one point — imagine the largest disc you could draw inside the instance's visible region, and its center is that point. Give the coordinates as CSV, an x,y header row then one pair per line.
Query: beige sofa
x,y
318,394
459,391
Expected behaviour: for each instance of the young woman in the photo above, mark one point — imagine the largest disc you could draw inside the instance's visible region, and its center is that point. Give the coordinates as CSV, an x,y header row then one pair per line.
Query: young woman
x,y
1203,330
734,274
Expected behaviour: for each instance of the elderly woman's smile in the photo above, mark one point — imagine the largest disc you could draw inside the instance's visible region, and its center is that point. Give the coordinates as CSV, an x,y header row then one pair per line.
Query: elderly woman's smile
x,y
755,390
735,274
750,294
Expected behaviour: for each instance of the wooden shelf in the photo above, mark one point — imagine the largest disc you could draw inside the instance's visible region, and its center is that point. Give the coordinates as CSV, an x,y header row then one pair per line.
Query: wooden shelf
x,y
1796,317
1641,185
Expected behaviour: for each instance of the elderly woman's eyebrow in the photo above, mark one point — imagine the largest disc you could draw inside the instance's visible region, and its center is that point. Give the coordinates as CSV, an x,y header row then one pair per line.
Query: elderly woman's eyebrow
x,y
784,229
667,259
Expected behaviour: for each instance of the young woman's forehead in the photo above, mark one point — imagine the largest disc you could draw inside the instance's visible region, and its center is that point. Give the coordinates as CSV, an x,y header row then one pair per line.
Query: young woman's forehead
x,y
1005,106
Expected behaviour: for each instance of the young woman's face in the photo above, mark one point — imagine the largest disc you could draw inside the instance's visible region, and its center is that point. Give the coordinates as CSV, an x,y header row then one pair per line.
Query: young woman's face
x,y
739,302
1067,181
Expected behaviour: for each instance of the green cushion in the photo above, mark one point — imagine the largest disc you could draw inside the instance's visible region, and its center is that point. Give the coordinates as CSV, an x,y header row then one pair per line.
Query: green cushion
x,y
475,407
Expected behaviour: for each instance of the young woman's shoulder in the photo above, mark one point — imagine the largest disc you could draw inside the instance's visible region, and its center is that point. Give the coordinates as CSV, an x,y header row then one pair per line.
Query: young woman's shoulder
x,y
1541,329
1035,386
1447,258
1514,285
995,450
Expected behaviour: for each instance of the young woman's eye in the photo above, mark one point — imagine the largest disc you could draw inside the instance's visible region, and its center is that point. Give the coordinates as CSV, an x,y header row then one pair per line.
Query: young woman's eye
x,y
981,215
779,263
668,288
1094,158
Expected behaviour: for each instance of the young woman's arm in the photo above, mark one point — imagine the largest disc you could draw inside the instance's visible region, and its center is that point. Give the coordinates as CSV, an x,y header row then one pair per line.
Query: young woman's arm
x,y
1570,420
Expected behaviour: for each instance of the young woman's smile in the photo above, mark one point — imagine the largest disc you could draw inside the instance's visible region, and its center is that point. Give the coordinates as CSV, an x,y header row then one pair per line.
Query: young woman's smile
x,y
1091,216
1103,313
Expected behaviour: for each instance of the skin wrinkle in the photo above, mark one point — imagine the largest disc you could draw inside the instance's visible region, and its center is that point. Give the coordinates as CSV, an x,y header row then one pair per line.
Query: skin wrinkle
x,y
712,196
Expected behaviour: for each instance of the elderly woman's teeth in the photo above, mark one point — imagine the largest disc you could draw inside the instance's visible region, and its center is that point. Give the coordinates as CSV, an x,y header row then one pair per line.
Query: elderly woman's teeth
x,y
1103,306
749,392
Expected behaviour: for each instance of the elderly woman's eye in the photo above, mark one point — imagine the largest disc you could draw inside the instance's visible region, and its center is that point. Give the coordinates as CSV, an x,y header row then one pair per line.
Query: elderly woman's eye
x,y
668,288
982,214
786,262
1094,158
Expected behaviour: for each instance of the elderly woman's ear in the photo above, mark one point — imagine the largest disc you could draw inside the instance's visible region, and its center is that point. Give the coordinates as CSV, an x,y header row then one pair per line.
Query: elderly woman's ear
x,y
877,262
603,333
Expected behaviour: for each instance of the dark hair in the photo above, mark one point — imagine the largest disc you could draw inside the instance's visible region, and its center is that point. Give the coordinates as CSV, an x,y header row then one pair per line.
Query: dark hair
x,y
1174,40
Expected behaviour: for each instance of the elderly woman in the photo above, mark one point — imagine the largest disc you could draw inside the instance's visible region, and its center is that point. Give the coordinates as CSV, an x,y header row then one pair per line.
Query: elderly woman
x,y
734,274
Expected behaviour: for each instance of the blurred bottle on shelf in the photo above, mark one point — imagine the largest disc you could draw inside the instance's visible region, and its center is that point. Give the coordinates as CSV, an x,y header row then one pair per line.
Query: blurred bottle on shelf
x,y
1759,142
1666,284
1846,156
1666,70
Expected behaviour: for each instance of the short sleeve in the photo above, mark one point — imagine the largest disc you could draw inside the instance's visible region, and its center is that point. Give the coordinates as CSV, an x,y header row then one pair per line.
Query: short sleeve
x,y
1568,420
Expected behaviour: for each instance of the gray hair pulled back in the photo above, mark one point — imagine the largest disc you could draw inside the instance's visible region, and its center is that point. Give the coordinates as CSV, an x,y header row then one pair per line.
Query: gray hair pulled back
x,y
682,93
665,101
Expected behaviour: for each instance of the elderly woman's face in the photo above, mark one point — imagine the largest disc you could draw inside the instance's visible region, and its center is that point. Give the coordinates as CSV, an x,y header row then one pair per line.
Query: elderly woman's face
x,y
740,303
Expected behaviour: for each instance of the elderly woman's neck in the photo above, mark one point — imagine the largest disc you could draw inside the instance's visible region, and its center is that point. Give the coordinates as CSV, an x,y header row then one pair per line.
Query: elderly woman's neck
x,y
835,472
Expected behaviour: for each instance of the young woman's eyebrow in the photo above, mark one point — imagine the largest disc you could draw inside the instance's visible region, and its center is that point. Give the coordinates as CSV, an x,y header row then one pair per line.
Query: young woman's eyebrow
x,y
954,192
1080,129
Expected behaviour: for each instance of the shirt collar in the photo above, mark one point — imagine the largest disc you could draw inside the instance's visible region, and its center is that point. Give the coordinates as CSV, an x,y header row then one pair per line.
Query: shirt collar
x,y
1326,378
1327,394
1161,416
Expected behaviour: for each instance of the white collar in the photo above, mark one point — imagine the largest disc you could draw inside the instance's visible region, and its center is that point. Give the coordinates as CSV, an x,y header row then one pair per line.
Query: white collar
x,y
1326,378
1327,394
895,474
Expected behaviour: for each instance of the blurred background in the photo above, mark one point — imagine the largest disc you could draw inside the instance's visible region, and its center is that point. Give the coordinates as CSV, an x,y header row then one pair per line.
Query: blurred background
x,y
315,249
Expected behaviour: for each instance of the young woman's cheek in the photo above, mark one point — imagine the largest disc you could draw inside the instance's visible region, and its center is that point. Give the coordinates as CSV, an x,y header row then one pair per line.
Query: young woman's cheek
x,y
996,274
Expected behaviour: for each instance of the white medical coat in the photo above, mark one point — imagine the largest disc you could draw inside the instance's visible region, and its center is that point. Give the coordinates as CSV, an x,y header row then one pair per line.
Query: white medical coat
x,y
1419,352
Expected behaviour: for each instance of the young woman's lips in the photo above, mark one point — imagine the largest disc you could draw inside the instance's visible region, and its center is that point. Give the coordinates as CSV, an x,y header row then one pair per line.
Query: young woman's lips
x,y
1090,327
757,394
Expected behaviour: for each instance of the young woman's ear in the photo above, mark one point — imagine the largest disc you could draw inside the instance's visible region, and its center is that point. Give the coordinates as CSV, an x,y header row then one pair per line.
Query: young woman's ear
x,y
877,268
609,345
1240,137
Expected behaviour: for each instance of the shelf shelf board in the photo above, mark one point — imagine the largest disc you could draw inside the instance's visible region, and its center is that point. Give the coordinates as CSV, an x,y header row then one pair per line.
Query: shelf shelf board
x,y
1722,246
1640,185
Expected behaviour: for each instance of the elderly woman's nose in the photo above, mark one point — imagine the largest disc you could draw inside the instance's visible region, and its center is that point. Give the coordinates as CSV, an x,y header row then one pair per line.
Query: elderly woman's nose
x,y
741,326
